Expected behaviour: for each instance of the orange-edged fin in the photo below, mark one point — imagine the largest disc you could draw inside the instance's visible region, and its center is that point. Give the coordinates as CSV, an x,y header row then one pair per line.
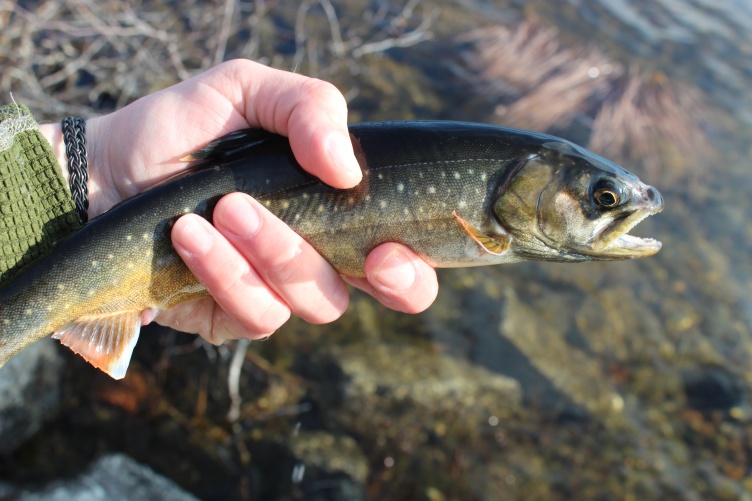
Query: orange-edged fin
x,y
490,244
106,342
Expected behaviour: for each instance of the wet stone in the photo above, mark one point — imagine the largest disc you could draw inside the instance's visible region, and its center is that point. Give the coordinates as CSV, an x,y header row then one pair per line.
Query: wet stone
x,y
333,461
712,388
112,477
29,393
423,395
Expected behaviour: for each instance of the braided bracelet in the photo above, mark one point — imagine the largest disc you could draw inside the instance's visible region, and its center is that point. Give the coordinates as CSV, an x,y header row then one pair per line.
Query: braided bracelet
x,y
74,137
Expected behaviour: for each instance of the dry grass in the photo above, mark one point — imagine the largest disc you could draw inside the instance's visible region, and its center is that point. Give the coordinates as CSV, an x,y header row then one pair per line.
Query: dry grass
x,y
638,118
86,56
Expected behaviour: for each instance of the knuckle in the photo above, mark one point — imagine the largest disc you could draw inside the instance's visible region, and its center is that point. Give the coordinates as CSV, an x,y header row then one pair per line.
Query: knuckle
x,y
320,89
234,284
235,66
283,267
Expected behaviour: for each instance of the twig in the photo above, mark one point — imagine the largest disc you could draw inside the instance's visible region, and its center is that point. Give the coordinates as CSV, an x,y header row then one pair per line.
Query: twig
x,y
233,379
224,31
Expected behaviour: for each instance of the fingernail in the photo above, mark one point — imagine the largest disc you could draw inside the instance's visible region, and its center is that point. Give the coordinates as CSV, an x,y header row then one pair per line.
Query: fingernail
x,y
195,238
340,151
395,272
239,217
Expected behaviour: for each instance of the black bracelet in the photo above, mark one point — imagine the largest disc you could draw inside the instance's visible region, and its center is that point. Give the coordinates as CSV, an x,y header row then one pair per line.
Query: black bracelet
x,y
74,137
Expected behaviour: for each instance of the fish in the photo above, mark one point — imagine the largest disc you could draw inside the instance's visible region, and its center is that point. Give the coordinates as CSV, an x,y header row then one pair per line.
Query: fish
x,y
458,194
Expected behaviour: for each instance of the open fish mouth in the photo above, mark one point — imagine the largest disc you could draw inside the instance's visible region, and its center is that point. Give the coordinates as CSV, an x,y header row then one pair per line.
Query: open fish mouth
x,y
615,242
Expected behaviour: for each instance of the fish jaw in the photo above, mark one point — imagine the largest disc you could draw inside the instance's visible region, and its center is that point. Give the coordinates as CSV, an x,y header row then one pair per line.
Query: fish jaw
x,y
615,242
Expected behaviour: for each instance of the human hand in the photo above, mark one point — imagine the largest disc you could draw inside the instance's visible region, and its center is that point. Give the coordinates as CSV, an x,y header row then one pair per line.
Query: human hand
x,y
256,269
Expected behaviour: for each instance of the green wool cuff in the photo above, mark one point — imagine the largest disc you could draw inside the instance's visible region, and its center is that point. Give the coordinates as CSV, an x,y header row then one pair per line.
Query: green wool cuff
x,y
36,208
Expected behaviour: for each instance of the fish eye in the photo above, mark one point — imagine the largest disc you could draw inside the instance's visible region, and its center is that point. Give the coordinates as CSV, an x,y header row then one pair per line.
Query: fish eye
x,y
606,198
609,193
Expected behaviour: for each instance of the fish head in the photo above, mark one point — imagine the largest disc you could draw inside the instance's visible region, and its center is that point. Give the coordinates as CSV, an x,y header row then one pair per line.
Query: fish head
x,y
565,203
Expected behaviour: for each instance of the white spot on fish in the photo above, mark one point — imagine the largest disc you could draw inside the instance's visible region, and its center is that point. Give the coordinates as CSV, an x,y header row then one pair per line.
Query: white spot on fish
x,y
145,236
268,203
462,204
321,208
443,174
6,321
350,200
66,306
186,210
110,256
406,211
94,264
470,171
60,287
382,204
90,292
400,187
457,175
129,266
297,216
129,238
305,196
430,226
483,177
28,312
431,190
286,204
368,198
381,176
48,308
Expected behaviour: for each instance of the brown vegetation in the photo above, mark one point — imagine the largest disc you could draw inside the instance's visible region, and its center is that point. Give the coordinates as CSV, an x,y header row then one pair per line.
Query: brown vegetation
x,y
86,56
638,117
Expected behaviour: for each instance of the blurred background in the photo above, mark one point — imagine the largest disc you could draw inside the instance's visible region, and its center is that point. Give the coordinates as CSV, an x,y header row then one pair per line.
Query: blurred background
x,y
626,380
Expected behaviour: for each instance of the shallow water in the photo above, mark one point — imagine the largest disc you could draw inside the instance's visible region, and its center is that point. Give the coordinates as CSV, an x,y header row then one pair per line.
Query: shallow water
x,y
622,380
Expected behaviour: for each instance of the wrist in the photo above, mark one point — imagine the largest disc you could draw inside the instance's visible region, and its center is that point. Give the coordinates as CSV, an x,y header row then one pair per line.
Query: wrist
x,y
54,135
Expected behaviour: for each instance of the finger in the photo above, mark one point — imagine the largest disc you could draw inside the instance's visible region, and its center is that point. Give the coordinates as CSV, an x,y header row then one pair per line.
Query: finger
x,y
228,277
398,278
204,317
311,112
286,262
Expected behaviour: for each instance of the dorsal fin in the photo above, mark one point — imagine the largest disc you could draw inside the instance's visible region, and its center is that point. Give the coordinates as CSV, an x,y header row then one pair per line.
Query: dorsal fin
x,y
231,144
105,341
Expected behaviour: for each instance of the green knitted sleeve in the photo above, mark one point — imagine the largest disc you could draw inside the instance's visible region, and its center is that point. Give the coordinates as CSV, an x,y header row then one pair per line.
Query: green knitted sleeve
x,y
36,208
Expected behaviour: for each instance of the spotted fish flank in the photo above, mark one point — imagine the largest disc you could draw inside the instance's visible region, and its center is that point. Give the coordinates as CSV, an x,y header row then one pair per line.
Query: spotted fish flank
x,y
458,194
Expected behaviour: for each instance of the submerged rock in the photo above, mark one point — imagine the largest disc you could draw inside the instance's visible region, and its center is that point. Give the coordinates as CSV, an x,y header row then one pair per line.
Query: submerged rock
x,y
112,477
330,467
418,391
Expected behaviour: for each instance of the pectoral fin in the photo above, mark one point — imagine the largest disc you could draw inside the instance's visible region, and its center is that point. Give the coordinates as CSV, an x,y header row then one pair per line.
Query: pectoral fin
x,y
106,342
496,245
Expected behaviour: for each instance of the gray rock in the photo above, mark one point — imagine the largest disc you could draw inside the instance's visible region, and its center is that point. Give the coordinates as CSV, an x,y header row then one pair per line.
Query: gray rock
x,y
29,393
112,477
